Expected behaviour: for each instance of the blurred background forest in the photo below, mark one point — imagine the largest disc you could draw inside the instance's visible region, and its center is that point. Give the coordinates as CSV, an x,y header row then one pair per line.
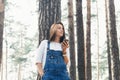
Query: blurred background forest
x,y
92,27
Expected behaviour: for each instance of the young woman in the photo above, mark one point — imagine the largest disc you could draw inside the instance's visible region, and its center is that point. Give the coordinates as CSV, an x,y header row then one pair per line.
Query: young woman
x,y
53,55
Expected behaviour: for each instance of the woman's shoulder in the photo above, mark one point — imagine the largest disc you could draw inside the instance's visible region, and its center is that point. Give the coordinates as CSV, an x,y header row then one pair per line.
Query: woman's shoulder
x,y
44,41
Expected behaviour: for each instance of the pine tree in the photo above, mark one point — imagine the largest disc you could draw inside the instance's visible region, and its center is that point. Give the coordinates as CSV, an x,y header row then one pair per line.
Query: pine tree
x,y
114,42
49,13
71,40
80,40
1,28
108,42
88,43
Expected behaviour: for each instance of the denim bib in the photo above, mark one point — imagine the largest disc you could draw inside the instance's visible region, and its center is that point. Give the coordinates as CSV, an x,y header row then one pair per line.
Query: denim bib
x,y
55,67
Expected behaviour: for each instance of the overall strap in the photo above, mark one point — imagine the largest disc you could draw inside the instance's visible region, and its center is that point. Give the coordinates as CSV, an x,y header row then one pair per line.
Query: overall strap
x,y
48,47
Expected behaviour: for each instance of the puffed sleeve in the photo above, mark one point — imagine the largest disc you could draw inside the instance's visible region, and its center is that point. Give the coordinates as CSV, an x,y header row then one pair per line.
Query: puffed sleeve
x,y
40,52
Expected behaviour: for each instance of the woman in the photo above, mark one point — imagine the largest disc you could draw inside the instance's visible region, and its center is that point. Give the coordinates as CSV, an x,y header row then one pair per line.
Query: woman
x,y
53,55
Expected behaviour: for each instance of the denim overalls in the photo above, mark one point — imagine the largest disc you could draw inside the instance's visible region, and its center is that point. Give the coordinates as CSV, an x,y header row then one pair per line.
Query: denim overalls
x,y
55,67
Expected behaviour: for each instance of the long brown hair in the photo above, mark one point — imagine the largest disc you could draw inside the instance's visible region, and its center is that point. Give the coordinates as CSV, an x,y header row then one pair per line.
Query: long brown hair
x,y
53,32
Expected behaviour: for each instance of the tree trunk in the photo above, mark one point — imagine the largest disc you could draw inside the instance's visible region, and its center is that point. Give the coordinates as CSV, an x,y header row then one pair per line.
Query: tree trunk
x,y
114,42
49,13
80,40
88,43
1,70
19,71
119,69
6,56
98,62
108,44
1,28
71,40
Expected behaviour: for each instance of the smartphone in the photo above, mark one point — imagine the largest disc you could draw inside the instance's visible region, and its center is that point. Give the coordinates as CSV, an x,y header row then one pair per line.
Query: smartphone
x,y
66,40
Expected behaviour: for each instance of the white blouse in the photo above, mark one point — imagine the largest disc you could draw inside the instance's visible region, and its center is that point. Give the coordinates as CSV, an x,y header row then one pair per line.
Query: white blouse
x,y
42,51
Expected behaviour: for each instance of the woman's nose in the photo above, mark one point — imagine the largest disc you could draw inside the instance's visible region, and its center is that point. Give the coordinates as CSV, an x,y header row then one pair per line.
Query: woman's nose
x,y
61,30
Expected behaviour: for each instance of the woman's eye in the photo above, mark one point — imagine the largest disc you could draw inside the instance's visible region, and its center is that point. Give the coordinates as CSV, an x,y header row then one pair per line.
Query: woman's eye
x,y
59,27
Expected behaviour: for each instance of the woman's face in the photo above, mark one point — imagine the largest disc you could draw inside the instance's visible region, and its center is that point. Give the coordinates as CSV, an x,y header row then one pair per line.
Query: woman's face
x,y
59,30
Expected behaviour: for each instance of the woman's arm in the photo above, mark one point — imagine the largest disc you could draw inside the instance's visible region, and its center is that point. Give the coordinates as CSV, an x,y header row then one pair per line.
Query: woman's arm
x,y
65,45
39,56
40,70
66,58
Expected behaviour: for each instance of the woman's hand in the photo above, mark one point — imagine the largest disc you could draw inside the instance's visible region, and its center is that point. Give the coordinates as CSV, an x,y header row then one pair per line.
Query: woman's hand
x,y
40,70
65,45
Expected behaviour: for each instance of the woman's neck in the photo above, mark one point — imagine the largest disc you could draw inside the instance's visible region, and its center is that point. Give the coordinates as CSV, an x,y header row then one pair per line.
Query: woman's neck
x,y
57,39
